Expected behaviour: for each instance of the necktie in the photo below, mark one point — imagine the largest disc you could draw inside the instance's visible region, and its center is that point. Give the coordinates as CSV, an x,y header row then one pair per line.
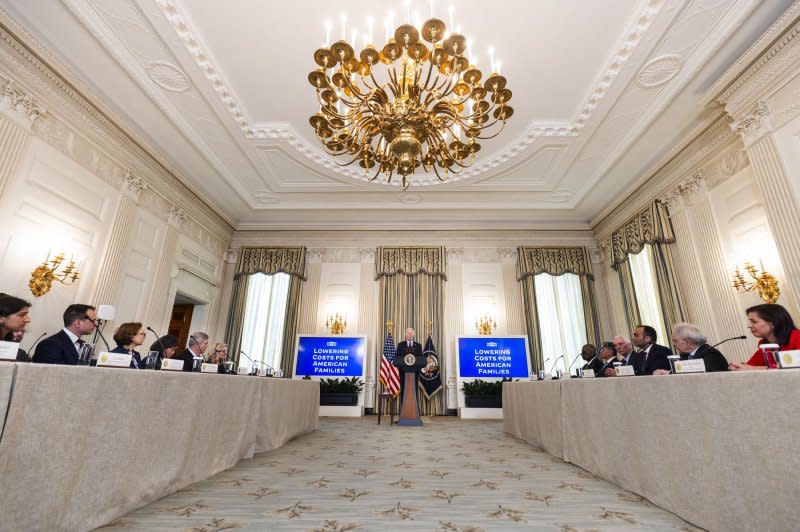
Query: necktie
x,y
644,361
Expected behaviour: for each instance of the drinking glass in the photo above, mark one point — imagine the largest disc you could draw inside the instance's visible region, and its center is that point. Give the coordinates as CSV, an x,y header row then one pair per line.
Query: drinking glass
x,y
151,361
85,355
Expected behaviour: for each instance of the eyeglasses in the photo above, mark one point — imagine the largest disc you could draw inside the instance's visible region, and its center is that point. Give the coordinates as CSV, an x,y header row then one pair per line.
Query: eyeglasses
x,y
140,333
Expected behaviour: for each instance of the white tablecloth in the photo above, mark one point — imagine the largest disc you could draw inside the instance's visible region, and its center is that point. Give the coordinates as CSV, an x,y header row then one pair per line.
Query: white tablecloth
x,y
82,446
716,449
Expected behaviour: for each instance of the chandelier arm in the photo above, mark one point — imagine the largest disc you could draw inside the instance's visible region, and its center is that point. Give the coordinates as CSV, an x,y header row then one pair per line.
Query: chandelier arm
x,y
436,171
498,131
428,77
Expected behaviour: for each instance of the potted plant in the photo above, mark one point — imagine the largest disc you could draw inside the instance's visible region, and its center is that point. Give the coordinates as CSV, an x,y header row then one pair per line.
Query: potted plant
x,y
484,394
339,392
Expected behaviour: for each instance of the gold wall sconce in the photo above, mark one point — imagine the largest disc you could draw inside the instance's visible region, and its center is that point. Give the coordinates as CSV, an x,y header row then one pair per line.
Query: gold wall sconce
x,y
485,325
336,323
761,281
47,272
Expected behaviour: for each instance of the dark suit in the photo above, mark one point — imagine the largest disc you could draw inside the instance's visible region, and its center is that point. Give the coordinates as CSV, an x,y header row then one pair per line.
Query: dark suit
x,y
656,359
714,360
134,356
186,355
604,366
56,349
402,351
595,365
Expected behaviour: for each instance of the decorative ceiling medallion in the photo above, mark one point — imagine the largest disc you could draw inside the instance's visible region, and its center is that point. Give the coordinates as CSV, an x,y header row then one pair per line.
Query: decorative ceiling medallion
x,y
660,70
561,195
264,197
410,198
168,76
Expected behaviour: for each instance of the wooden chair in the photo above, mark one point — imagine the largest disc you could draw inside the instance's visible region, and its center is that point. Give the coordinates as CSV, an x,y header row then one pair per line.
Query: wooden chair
x,y
386,403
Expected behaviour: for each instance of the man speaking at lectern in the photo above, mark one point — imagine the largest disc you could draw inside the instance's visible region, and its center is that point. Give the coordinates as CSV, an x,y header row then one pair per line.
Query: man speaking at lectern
x,y
404,348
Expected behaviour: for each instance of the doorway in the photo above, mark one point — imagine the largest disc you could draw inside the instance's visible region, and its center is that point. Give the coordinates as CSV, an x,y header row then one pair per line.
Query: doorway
x,y
180,321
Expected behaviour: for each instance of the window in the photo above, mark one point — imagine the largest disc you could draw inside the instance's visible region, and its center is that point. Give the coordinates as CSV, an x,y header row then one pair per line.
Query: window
x,y
646,288
562,327
264,318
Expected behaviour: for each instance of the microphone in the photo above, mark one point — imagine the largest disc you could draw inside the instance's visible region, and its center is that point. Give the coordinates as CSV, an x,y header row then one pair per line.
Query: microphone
x,y
554,364
158,338
743,337
575,360
97,330
252,362
35,342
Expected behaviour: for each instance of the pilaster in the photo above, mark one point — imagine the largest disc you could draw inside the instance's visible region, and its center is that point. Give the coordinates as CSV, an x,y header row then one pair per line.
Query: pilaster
x,y
18,111
367,319
515,316
454,323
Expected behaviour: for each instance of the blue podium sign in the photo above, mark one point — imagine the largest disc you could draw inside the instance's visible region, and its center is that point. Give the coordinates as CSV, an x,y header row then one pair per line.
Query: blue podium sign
x,y
330,356
490,357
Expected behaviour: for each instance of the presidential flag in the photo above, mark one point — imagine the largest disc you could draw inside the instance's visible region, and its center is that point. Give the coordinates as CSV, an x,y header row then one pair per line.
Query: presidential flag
x,y
390,375
430,378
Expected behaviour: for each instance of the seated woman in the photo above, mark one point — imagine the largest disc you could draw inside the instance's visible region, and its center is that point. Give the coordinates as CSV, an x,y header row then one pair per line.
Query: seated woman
x,y
129,336
691,344
608,354
165,346
14,317
773,324
219,357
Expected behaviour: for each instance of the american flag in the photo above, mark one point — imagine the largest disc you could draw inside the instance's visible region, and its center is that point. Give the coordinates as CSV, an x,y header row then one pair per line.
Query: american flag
x,y
390,375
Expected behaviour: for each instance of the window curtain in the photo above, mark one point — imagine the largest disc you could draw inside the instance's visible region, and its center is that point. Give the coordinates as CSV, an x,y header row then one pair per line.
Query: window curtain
x,y
651,226
562,330
531,261
411,285
252,260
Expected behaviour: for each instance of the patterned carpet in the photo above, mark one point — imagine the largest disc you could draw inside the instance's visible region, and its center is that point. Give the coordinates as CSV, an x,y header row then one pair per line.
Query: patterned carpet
x,y
450,475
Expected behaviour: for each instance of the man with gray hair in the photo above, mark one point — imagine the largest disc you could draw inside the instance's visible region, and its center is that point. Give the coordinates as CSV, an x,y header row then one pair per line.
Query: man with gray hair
x,y
691,344
196,347
624,349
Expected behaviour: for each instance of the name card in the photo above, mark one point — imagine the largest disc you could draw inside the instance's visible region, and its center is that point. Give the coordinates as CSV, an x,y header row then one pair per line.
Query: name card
x,y
588,374
114,360
262,372
624,371
695,365
786,359
172,364
8,350
208,368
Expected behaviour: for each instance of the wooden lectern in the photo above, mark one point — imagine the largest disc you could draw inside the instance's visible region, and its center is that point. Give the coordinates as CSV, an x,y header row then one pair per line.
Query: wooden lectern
x,y
409,366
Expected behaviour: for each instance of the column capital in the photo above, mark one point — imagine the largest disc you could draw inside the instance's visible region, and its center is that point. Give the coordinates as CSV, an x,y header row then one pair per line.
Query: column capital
x,y
19,106
455,255
133,186
231,254
754,125
176,217
367,254
507,255
315,255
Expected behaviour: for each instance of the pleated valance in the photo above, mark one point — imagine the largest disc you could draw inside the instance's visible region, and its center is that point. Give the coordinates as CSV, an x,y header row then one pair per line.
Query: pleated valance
x,y
289,260
532,261
651,225
410,261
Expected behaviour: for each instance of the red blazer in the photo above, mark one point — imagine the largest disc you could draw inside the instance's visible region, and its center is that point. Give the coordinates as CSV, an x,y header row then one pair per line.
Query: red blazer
x,y
794,343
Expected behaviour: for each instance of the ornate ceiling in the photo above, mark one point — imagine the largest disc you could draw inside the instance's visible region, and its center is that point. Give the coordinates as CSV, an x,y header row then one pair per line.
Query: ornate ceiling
x,y
602,90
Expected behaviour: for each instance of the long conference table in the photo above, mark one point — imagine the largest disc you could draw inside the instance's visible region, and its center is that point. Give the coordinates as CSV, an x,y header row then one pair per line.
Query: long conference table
x,y
720,450
82,446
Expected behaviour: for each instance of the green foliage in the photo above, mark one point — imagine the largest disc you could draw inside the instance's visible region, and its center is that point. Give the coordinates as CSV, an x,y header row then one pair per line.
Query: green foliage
x,y
482,387
346,385
307,378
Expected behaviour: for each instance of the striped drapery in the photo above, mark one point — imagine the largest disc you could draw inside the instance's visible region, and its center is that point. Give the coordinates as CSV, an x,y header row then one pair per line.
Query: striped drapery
x,y
411,285
269,261
532,261
653,226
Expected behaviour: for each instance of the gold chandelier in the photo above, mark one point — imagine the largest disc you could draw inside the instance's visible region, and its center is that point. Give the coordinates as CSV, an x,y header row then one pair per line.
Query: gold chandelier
x,y
426,107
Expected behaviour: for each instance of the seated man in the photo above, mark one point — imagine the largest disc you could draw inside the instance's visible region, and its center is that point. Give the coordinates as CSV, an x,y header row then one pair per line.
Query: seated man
x,y
608,355
691,344
198,343
589,355
624,349
64,346
651,356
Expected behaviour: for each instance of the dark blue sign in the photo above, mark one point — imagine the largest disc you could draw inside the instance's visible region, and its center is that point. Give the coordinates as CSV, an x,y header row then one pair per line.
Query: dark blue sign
x,y
330,356
490,357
